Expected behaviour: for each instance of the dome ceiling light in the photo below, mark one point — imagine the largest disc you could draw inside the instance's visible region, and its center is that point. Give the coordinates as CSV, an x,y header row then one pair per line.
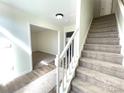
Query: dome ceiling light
x,y
59,15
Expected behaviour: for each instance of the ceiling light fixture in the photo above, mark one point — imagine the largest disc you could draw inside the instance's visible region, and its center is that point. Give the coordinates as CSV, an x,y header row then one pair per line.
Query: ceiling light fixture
x,y
59,15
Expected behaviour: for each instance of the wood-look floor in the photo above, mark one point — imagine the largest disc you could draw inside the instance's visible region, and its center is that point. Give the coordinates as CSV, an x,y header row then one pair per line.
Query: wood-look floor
x,y
38,71
39,56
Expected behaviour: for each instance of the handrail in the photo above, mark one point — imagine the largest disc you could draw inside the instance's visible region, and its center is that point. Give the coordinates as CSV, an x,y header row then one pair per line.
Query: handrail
x,y
68,44
67,61
122,2
121,6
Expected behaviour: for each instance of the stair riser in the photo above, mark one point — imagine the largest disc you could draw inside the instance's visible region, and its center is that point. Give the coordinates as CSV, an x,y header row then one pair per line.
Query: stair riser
x,y
102,48
104,23
72,91
109,41
3,90
102,26
104,57
117,72
104,20
113,29
76,90
106,85
103,35
112,16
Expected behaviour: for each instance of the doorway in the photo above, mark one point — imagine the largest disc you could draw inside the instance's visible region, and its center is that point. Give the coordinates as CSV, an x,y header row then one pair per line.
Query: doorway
x,y
44,46
68,36
70,51
105,7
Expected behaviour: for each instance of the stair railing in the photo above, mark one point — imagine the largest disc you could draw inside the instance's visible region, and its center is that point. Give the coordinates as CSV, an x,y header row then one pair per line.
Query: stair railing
x,y
66,63
122,2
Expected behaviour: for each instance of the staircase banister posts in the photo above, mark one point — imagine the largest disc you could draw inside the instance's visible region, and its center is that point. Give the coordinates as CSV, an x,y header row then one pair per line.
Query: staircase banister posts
x,y
59,59
68,44
122,2
57,72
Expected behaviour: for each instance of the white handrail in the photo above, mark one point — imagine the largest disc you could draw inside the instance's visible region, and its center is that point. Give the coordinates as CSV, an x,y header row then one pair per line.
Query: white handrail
x,y
68,44
121,5
122,2
67,60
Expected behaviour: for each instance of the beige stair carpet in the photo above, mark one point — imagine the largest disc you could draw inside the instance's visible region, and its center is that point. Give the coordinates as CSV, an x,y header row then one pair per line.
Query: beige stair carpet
x,y
100,67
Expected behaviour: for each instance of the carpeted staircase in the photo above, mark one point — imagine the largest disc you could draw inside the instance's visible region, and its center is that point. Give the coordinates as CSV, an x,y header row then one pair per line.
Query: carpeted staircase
x,y
100,68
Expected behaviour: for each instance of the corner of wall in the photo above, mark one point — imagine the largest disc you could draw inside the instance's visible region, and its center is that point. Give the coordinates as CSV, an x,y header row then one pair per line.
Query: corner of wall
x,y
119,18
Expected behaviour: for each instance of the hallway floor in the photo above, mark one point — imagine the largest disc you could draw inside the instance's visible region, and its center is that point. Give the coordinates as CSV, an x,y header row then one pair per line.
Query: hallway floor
x,y
43,63
42,58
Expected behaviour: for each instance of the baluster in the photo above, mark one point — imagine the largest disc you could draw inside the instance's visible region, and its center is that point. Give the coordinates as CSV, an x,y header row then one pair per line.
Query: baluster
x,y
72,54
63,66
73,48
66,68
57,71
69,61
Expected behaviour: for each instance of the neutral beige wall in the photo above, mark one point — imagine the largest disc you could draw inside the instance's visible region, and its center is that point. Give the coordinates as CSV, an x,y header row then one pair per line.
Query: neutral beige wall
x,y
115,3
48,42
61,41
70,28
97,8
15,24
86,16
45,41
34,41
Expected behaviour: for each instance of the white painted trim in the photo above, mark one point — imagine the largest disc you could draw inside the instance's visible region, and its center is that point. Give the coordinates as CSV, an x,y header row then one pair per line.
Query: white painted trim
x,y
121,32
86,34
121,6
68,44
65,36
59,50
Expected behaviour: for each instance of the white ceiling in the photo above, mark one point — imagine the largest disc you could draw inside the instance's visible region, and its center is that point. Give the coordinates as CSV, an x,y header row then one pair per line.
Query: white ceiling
x,y
35,28
47,9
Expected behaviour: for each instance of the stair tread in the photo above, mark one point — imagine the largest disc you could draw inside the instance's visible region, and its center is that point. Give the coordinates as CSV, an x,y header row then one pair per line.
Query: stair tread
x,y
103,67
96,24
101,52
71,91
93,32
107,29
103,36
107,79
100,69
103,63
102,26
104,56
105,45
104,16
87,87
103,33
102,40
104,22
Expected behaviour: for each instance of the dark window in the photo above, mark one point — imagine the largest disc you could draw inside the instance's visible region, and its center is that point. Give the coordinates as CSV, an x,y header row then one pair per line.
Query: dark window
x,y
69,34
